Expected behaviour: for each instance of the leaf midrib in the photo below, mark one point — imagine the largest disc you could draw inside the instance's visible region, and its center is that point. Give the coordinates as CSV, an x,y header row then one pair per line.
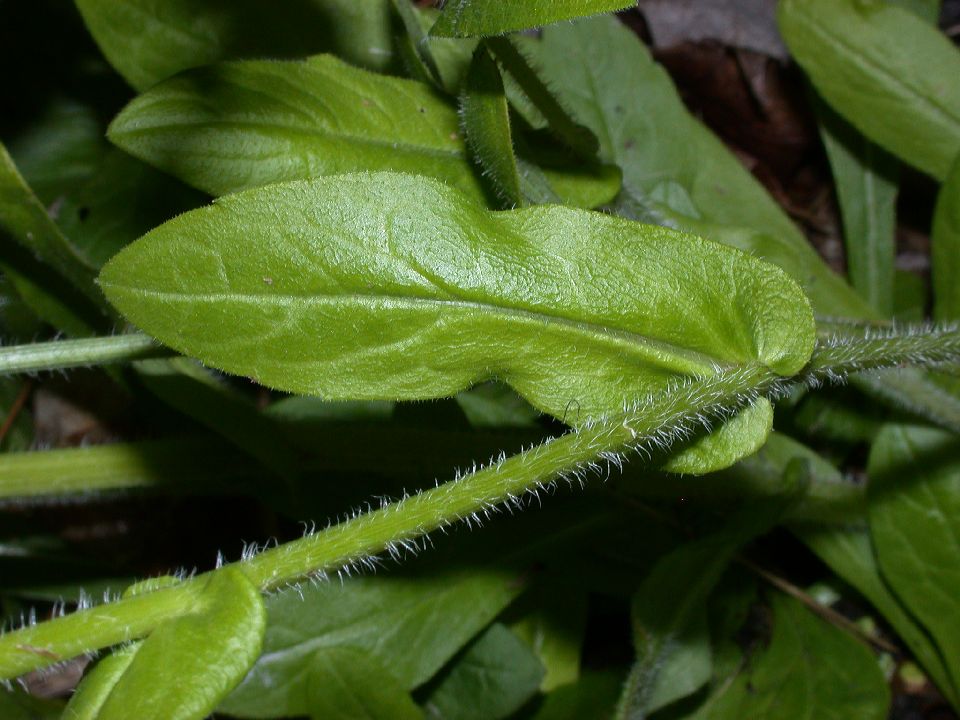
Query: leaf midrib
x,y
617,335
309,131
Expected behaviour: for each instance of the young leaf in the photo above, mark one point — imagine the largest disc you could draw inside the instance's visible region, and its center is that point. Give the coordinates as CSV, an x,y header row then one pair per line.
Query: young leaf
x,y
493,678
486,124
469,18
184,667
916,528
866,180
350,684
385,285
147,42
889,73
239,125
413,626
945,248
810,669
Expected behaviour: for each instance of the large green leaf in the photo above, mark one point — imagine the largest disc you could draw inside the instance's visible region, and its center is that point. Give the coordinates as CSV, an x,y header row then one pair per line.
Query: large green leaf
x,y
889,73
608,79
865,177
238,125
810,670
385,285
915,524
469,18
350,684
148,41
185,666
493,678
945,248
412,625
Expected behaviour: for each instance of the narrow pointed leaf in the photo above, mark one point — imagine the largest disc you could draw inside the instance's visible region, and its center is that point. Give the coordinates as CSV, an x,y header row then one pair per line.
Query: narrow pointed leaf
x,y
384,285
147,42
889,73
486,123
239,125
866,180
469,18
945,248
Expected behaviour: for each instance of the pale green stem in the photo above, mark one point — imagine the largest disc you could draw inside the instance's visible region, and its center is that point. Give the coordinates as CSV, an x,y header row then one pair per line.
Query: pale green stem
x,y
62,354
656,422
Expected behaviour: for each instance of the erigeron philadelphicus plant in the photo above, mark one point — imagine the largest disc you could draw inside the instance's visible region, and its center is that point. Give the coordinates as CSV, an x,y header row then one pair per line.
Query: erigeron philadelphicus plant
x,y
503,213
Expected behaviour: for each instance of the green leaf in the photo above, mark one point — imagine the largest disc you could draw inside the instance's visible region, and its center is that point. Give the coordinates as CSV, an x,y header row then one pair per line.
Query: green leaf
x,y
469,18
350,684
928,10
668,611
810,669
644,127
18,705
945,248
554,630
915,523
592,697
486,125
889,73
45,268
239,125
412,625
848,551
384,285
184,667
866,182
493,678
147,42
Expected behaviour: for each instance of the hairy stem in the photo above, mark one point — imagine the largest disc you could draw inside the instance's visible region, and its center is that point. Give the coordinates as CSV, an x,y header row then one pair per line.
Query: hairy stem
x,y
652,423
62,354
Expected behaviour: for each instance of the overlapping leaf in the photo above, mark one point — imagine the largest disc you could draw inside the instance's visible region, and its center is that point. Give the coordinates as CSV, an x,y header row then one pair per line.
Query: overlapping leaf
x,y
889,73
945,248
384,285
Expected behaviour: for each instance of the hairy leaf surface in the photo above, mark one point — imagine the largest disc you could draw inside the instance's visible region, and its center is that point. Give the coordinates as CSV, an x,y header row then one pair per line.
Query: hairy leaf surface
x,y
469,18
392,286
891,74
148,41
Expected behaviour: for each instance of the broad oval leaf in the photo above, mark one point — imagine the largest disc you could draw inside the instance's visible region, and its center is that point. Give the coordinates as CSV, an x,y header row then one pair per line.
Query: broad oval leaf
x,y
891,74
470,18
238,125
382,285
148,41
185,666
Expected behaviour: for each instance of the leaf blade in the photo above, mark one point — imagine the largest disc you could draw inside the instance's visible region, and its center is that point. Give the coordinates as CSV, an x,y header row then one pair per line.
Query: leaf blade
x,y
471,18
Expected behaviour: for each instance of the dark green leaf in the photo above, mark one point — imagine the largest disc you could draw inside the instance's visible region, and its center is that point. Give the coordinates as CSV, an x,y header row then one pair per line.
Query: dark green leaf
x,y
18,705
468,18
915,524
889,73
493,678
866,181
350,684
147,42
413,626
945,248
373,286
848,552
810,669
239,125
592,697
554,630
